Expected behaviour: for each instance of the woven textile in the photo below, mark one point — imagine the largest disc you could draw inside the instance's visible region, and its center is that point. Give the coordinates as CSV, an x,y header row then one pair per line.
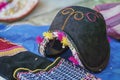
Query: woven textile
x,y
59,70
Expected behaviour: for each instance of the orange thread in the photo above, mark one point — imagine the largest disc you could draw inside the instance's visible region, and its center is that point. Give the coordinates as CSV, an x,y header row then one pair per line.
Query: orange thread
x,y
71,11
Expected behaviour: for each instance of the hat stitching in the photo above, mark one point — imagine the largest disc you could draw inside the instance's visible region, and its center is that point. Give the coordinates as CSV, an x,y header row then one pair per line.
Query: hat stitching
x,y
71,12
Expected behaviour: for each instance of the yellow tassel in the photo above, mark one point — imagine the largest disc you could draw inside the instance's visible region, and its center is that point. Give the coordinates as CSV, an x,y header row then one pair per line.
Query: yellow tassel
x,y
65,41
48,35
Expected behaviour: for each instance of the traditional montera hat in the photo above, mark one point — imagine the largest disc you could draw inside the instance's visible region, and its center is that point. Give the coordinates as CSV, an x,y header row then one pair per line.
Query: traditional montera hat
x,y
83,31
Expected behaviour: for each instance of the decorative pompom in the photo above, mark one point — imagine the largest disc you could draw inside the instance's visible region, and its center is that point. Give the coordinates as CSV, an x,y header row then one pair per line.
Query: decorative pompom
x,y
39,39
64,41
60,36
73,60
48,35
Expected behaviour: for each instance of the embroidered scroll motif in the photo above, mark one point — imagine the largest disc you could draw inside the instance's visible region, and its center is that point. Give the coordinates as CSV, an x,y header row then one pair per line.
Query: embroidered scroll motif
x,y
78,15
71,12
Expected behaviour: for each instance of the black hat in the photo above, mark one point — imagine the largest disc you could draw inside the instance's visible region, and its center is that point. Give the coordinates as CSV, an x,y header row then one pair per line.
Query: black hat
x,y
83,31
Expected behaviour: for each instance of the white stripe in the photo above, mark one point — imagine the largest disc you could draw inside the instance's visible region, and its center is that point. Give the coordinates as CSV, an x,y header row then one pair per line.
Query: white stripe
x,y
117,28
111,12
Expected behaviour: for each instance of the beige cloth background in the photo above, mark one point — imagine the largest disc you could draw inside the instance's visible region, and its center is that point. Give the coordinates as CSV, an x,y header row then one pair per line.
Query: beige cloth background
x,y
47,9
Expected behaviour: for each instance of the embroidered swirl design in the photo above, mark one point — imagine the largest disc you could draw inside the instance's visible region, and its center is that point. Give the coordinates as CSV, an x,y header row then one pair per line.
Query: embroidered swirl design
x,y
79,15
71,12
93,18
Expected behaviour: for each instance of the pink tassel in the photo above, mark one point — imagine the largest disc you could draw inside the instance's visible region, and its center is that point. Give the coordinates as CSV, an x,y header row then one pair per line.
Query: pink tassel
x,y
72,59
60,36
39,39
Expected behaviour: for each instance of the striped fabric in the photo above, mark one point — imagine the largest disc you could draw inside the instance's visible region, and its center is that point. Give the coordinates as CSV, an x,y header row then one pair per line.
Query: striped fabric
x,y
111,13
9,49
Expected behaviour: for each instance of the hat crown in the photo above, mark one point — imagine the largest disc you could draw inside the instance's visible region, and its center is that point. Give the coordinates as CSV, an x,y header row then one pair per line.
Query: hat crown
x,y
75,15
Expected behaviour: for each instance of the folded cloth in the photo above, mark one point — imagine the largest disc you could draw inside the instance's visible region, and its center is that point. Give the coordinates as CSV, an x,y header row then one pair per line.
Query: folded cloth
x,y
2,26
60,69
9,49
13,56
23,34
111,13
